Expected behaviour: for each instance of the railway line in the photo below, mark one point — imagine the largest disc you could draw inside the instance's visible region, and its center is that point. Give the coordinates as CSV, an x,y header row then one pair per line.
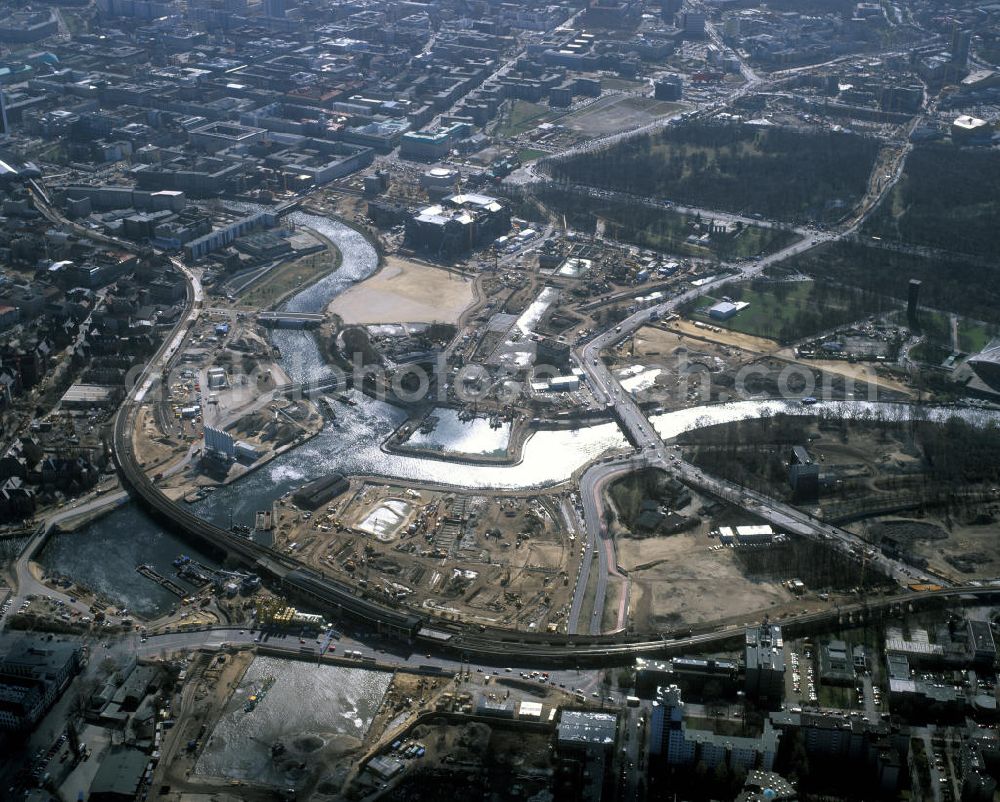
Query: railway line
x,y
491,646
331,596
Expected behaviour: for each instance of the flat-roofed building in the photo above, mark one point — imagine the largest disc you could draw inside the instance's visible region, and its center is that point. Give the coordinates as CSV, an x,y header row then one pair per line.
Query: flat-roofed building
x,y
33,674
764,655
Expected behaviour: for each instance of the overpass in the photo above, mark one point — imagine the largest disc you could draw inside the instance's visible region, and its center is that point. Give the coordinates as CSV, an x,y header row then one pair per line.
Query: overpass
x,y
308,389
288,207
290,320
497,646
329,595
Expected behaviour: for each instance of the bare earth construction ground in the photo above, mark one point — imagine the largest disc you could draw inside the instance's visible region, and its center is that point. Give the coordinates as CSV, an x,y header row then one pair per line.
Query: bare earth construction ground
x,y
677,580
405,292
619,113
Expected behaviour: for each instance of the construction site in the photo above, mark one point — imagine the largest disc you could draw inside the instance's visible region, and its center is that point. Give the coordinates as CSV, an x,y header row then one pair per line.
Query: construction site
x,y
502,560
677,363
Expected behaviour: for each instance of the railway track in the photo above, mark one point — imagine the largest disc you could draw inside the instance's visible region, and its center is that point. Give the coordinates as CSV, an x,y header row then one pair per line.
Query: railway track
x,y
303,584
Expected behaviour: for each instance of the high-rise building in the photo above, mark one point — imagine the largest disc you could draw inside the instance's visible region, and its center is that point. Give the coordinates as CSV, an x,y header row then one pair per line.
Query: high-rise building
x,y
692,23
671,87
961,41
669,8
765,665
676,744
912,299
4,132
666,736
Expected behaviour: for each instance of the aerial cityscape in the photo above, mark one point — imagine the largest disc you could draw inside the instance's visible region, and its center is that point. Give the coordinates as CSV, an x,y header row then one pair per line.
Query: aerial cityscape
x,y
458,400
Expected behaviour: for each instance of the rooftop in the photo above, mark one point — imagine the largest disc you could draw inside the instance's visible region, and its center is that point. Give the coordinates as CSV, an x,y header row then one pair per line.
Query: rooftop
x,y
587,728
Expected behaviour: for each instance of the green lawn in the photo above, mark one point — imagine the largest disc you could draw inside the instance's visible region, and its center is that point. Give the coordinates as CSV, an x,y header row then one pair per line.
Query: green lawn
x,y
935,326
530,154
929,353
766,312
974,337
523,116
793,310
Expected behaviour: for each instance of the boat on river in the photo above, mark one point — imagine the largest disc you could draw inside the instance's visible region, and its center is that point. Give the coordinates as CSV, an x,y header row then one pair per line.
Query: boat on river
x,y
256,698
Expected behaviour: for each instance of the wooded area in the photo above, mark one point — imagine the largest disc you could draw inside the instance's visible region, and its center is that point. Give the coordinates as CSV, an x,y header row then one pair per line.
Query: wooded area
x,y
958,285
947,199
777,172
664,230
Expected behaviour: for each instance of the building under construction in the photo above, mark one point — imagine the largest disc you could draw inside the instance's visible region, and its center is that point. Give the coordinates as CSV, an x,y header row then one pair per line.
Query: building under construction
x,y
458,224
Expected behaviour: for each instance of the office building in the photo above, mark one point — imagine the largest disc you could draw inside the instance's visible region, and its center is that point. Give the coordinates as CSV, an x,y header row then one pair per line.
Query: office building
x,y
764,656
679,745
274,8
459,223
120,775
961,41
912,300
982,649
691,23
33,674
803,475
836,664
669,9
669,88
586,730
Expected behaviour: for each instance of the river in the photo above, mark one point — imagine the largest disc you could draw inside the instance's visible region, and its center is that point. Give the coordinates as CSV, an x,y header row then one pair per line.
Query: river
x,y
104,554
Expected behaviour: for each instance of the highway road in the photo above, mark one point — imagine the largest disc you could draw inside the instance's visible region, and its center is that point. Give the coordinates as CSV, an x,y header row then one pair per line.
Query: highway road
x,y
609,392
651,450
385,651
593,483
27,585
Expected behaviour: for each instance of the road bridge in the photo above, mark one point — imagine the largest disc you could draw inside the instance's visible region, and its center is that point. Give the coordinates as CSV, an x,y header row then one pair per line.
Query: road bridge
x,y
290,320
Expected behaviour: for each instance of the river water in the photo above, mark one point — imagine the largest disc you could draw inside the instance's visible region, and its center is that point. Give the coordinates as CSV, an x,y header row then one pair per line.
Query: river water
x,y
308,708
452,435
104,555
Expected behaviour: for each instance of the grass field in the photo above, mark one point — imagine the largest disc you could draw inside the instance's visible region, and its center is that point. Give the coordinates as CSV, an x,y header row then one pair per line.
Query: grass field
x,y
835,696
929,353
287,277
530,154
972,335
790,311
523,116
766,312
